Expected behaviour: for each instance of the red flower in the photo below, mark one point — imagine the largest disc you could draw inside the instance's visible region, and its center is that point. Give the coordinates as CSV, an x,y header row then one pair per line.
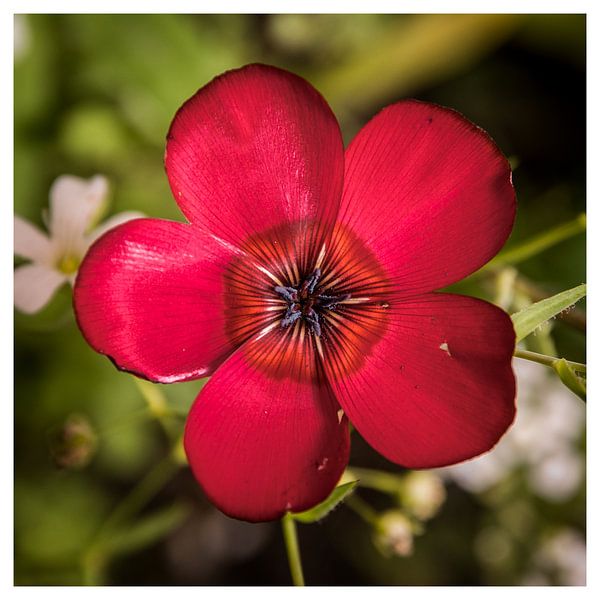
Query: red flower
x,y
304,284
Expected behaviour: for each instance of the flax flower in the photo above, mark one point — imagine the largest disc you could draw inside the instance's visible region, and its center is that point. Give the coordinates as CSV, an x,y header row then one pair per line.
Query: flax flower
x,y
304,284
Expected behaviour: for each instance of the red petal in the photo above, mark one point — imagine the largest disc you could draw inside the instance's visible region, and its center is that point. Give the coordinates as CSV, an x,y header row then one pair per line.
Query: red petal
x,y
430,194
150,295
437,388
255,149
264,436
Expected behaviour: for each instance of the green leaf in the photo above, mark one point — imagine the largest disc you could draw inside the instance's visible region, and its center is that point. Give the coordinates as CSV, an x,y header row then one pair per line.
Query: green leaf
x,y
568,375
320,511
529,319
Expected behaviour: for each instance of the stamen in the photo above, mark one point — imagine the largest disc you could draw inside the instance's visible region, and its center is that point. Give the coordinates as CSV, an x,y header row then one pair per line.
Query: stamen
x,y
289,294
306,303
313,280
331,301
312,319
292,314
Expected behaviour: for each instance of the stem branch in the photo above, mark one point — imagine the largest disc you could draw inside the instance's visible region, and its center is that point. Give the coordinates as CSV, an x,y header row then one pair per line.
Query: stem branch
x,y
362,509
378,480
549,361
290,537
94,559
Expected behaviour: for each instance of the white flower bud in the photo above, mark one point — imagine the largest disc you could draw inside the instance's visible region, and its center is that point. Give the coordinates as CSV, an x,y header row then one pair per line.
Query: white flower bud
x,y
394,534
423,493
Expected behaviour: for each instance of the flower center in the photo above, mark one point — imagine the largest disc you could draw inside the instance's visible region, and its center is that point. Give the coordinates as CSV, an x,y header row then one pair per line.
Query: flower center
x,y
308,301
305,300
68,264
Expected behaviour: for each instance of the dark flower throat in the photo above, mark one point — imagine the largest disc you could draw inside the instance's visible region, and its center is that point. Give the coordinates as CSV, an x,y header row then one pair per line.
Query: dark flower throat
x,y
307,302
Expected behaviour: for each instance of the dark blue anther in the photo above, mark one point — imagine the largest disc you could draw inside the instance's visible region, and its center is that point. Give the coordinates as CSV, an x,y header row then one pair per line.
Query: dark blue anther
x,y
292,314
312,281
312,318
331,301
289,294
304,302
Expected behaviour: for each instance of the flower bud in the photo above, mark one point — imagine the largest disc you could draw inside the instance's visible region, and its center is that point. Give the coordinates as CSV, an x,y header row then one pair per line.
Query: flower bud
x,y
74,444
423,493
394,534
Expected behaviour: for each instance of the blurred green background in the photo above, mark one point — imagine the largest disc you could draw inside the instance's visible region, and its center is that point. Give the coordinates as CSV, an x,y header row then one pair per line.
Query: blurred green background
x,y
95,94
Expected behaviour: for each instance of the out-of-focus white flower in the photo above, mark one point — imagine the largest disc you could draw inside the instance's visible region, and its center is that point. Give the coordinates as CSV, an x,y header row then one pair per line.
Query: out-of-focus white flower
x,y
22,36
423,493
564,555
394,534
557,475
547,428
75,204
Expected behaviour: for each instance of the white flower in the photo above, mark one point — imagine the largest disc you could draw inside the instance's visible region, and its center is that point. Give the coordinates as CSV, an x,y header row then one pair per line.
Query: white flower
x,y
75,204
423,493
22,36
394,534
565,555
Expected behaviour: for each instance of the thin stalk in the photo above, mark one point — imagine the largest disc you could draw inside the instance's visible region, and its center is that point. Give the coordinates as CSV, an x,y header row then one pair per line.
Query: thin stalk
x,y
538,243
362,509
549,361
94,559
290,537
158,406
377,480
142,493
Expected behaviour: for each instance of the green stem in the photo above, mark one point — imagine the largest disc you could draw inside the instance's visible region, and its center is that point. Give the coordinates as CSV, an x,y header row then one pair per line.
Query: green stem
x,y
362,509
142,493
549,361
290,537
94,559
538,244
377,480
158,406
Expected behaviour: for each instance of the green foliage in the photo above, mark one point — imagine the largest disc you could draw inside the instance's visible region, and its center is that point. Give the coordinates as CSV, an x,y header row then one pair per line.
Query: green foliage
x,y
55,520
529,319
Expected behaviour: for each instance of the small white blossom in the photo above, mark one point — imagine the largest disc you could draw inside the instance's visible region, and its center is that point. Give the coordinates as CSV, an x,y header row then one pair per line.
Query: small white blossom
x,y
394,534
564,555
22,36
75,204
423,493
